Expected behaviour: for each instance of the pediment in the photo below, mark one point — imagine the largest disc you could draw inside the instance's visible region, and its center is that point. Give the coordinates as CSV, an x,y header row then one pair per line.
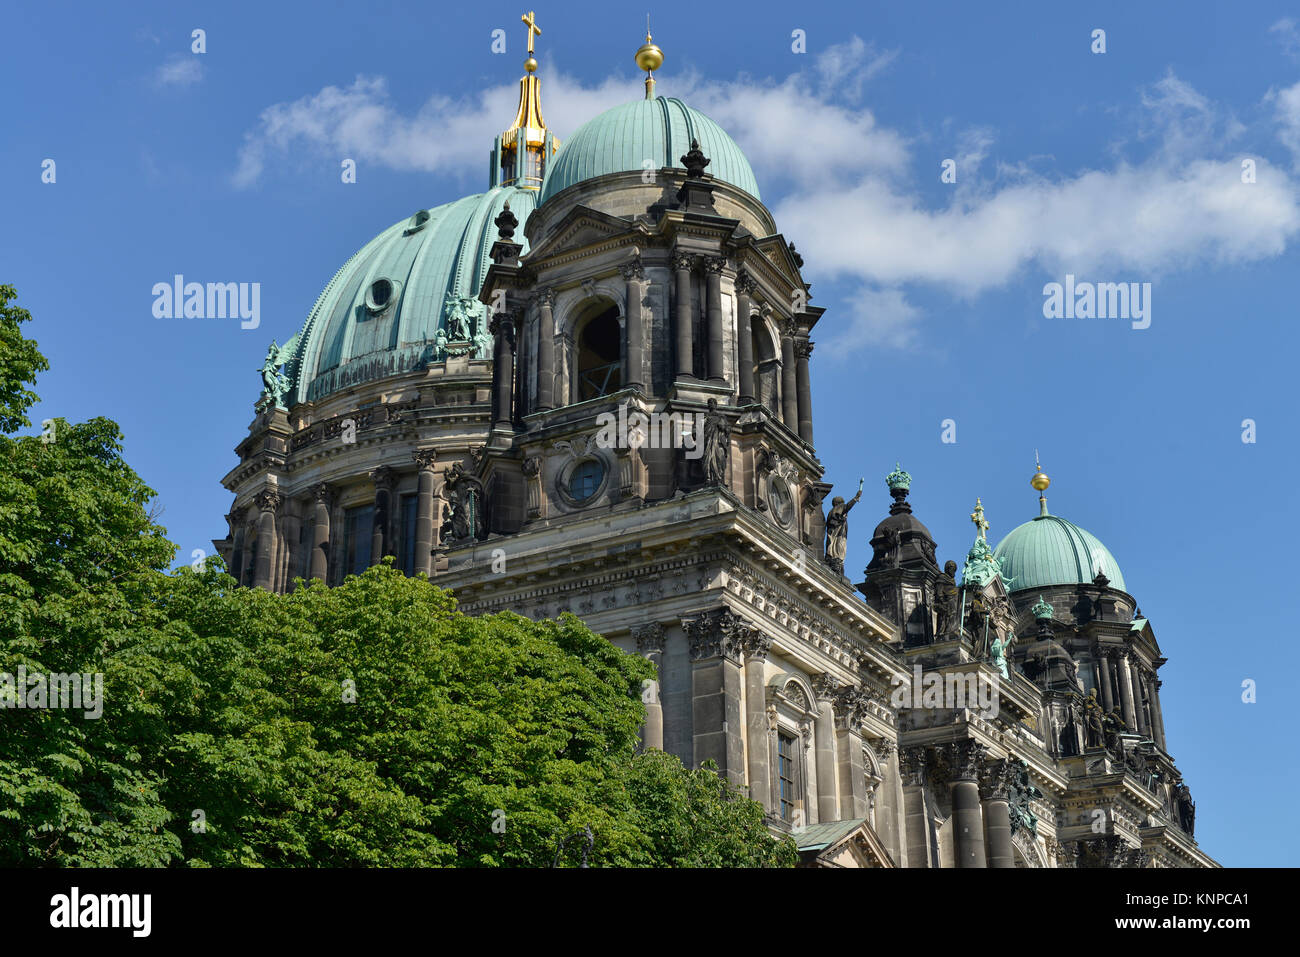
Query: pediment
x,y
583,226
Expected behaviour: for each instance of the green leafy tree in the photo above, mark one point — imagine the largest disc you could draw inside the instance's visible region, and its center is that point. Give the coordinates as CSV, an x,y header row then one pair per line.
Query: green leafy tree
x,y
368,724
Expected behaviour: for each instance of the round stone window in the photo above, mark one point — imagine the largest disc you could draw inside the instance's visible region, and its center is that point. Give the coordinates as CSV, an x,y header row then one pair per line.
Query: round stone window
x,y
780,500
585,480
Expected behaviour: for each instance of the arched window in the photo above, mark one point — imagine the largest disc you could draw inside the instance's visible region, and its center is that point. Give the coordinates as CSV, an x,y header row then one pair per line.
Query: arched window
x,y
767,368
599,361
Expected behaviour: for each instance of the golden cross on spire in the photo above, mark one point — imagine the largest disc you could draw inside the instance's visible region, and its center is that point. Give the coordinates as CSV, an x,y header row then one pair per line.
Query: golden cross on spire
x,y
977,517
533,29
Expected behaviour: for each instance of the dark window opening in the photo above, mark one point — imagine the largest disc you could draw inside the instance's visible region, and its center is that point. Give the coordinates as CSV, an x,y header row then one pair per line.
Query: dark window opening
x,y
600,367
785,770
409,504
358,525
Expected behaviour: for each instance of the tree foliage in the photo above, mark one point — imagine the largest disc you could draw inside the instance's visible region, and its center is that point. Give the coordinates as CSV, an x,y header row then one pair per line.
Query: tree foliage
x,y
367,724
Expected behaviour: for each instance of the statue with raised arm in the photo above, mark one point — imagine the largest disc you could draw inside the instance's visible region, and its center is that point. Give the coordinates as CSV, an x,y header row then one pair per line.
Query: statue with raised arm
x,y
998,649
465,491
837,529
275,384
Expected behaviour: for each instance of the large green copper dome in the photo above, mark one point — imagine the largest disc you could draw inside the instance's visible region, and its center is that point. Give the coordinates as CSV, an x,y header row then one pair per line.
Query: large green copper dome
x,y
659,130
1051,551
383,311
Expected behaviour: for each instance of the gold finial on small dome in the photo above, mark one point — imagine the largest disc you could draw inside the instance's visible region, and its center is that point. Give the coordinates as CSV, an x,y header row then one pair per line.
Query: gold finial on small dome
x,y
1040,481
649,58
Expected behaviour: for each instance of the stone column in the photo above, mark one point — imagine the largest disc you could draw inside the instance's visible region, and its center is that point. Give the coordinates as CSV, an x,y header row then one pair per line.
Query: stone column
x,y
650,645
425,459
889,803
713,267
503,370
381,539
912,767
1126,693
803,389
807,738
682,266
997,813
237,536
756,647
850,704
320,533
1103,659
824,728
546,351
965,758
744,338
789,387
715,639
268,501
1156,713
634,287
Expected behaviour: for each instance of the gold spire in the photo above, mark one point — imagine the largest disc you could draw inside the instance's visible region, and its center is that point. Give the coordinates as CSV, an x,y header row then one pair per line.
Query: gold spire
x,y
649,58
1040,481
528,125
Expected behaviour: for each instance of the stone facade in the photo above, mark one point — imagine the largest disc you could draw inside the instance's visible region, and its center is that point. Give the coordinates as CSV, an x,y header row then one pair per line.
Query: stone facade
x,y
702,547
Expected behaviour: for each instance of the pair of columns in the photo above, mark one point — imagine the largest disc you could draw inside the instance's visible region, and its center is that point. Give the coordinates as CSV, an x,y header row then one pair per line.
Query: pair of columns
x,y
684,267
980,792
1130,687
381,541
796,350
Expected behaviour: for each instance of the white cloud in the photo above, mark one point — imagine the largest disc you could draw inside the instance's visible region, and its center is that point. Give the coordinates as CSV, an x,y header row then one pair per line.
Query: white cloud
x,y
1286,104
178,70
844,188
1288,35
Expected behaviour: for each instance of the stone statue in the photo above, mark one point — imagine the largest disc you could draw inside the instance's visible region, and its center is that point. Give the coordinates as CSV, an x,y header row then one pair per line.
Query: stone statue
x,y
1094,721
275,384
717,446
837,529
946,601
458,319
1186,808
467,514
1114,727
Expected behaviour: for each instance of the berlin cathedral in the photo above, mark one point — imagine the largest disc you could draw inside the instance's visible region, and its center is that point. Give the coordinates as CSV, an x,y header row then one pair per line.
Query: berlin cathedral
x,y
446,402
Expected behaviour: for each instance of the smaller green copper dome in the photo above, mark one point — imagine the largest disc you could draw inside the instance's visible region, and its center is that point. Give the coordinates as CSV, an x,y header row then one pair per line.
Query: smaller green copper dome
x,y
1051,551
659,130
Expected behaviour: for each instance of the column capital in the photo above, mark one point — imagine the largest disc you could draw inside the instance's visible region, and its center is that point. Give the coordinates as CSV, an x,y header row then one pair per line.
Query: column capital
x,y
745,284
425,459
684,261
633,271
965,758
756,644
912,764
383,478
267,500
883,748
827,686
649,638
715,264
716,634
803,348
546,297
995,780
322,493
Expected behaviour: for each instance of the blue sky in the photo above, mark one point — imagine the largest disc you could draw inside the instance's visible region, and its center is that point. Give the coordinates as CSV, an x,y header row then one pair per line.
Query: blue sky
x,y
1123,166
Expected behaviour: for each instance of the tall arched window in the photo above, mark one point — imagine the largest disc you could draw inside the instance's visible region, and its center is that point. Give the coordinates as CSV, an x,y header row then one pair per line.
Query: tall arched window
x,y
599,360
767,368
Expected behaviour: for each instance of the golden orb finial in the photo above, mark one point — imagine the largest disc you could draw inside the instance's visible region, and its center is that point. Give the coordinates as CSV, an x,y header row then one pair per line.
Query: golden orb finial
x,y
1040,481
649,58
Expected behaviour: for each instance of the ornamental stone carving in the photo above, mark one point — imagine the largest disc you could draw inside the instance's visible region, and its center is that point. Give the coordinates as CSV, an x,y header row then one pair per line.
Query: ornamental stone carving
x,y
715,634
